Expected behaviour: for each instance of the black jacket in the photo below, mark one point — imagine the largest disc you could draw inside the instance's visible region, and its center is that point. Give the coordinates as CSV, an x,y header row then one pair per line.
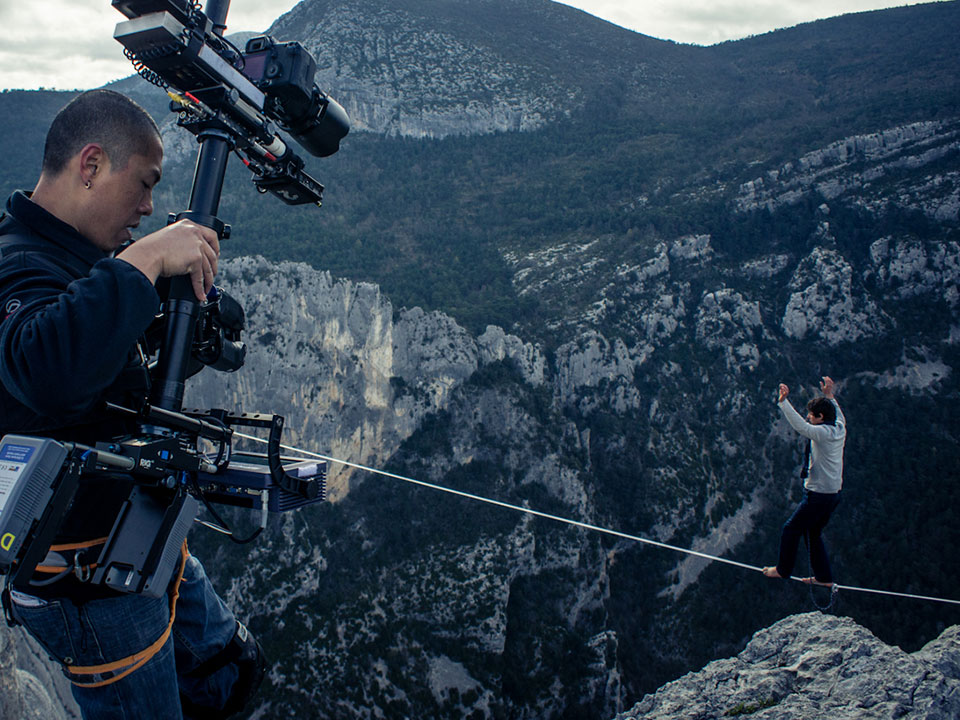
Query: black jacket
x,y
71,319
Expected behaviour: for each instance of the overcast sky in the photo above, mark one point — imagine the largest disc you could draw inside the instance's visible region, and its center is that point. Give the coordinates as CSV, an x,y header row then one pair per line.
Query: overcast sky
x,y
67,44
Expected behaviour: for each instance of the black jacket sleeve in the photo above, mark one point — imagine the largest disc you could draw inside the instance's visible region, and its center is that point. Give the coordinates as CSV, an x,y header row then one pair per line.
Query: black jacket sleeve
x,y
62,343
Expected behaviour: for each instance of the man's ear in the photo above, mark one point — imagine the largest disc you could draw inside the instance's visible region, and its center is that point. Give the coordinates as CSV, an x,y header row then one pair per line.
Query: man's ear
x,y
93,163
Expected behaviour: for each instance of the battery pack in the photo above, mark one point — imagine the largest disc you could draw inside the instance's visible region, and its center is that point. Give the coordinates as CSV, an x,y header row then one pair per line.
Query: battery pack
x,y
143,549
29,467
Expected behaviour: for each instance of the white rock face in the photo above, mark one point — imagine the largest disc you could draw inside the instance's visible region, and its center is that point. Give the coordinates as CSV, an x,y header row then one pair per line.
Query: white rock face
x,y
854,163
351,381
692,247
593,360
911,268
826,305
921,371
767,266
726,321
495,345
396,76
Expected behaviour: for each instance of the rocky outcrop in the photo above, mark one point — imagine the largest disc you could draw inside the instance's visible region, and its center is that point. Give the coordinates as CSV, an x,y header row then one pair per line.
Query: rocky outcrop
x,y
911,268
825,303
859,162
726,321
593,361
31,685
816,665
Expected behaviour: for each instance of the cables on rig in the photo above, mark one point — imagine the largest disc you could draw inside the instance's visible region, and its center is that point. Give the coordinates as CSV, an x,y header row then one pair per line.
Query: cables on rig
x,y
834,588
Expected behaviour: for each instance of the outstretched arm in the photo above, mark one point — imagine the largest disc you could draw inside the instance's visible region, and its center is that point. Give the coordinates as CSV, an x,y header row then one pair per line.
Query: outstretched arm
x,y
797,421
793,417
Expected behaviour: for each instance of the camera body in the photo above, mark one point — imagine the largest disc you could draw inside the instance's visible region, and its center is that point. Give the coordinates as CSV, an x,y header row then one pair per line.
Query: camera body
x,y
284,72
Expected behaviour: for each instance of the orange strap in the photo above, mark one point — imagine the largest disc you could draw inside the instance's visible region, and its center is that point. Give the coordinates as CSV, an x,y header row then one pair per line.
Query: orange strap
x,y
78,545
60,568
54,569
133,662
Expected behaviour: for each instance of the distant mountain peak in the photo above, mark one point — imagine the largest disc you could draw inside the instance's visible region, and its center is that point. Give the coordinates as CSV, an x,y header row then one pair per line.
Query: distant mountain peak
x,y
426,68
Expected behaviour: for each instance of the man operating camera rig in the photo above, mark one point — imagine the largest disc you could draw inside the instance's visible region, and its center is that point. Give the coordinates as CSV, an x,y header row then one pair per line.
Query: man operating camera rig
x,y
74,311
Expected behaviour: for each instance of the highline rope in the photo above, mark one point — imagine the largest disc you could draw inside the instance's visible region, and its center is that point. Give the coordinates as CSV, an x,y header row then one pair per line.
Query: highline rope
x,y
586,526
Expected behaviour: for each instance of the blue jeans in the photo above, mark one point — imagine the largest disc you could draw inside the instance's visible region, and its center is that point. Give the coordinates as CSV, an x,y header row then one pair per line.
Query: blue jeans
x,y
808,522
102,631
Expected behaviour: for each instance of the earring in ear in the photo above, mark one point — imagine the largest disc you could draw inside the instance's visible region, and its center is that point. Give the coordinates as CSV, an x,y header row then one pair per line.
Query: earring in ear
x,y
87,185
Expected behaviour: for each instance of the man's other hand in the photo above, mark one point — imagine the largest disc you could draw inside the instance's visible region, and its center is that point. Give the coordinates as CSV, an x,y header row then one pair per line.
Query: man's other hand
x,y
827,387
784,391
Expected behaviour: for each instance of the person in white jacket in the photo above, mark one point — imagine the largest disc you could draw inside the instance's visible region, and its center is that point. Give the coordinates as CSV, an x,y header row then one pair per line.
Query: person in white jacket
x,y
826,429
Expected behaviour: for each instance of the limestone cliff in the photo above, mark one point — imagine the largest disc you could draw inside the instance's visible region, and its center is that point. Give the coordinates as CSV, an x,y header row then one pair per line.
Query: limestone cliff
x,y
350,377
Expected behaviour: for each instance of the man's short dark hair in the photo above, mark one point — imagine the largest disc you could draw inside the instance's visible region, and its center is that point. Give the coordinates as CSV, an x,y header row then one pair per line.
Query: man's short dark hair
x,y
105,117
822,406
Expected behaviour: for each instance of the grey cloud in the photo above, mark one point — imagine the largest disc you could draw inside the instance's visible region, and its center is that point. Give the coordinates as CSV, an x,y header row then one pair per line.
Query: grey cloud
x,y
62,43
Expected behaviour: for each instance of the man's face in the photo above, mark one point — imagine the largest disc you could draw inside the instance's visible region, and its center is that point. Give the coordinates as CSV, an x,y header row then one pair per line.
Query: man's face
x,y
814,419
120,197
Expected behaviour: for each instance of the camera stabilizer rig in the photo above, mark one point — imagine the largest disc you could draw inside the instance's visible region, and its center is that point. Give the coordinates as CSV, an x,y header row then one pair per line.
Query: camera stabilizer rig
x,y
168,478
232,101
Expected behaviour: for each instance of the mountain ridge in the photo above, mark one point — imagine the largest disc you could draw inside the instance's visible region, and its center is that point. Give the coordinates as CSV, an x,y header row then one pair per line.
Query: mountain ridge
x,y
617,166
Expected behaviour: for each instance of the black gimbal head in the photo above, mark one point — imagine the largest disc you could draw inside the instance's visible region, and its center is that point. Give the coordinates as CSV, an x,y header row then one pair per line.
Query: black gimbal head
x,y
231,101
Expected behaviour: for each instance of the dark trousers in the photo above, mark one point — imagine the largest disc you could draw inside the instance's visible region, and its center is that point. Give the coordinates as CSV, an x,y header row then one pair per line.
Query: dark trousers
x,y
101,631
807,522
